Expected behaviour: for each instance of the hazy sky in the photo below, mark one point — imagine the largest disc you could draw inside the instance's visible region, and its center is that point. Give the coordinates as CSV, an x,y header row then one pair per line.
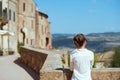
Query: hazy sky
x,y
82,16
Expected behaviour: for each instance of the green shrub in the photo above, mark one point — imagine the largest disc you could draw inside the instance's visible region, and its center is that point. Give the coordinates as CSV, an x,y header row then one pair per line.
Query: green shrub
x,y
116,58
19,46
95,60
69,60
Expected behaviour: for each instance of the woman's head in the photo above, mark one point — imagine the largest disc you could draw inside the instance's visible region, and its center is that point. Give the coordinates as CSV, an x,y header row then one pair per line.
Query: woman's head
x,y
79,40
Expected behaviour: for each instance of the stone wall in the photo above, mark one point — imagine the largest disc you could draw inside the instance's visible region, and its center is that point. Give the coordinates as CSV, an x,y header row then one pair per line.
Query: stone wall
x,y
48,65
106,74
52,75
98,74
44,62
33,59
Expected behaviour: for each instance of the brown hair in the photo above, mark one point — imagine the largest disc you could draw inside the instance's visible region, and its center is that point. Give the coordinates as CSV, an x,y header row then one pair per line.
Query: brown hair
x,y
79,40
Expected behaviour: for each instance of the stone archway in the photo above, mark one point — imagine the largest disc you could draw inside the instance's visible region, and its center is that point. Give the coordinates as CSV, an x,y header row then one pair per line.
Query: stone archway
x,y
47,41
24,33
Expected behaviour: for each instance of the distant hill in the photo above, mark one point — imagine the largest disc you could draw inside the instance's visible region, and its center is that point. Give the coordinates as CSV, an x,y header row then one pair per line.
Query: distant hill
x,y
96,41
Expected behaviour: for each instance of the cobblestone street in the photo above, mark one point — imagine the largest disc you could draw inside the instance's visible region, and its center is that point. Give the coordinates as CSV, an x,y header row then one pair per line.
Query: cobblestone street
x,y
12,69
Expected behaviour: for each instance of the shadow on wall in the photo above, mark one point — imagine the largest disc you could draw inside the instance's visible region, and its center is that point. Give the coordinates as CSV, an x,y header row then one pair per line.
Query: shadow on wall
x,y
30,71
67,74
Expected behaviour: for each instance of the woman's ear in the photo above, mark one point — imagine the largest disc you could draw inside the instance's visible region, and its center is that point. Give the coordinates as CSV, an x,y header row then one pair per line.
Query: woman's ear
x,y
85,43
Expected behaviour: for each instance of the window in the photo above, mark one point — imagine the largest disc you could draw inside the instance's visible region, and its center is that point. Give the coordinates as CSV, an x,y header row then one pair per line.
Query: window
x,y
24,7
23,23
41,42
4,13
47,41
32,24
27,40
14,16
46,30
0,8
42,30
31,7
9,14
31,41
41,17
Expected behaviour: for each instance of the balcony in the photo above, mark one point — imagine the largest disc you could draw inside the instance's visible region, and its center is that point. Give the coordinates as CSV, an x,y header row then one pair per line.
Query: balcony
x,y
3,15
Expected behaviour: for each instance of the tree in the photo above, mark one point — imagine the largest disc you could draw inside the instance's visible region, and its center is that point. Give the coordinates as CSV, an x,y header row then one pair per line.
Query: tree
x,y
116,58
95,60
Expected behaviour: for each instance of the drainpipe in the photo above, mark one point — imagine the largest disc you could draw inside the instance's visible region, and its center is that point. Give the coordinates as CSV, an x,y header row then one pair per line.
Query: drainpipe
x,y
17,10
1,28
8,25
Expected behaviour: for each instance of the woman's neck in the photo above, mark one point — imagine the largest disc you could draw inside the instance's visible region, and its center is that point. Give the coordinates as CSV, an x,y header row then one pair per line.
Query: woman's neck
x,y
83,47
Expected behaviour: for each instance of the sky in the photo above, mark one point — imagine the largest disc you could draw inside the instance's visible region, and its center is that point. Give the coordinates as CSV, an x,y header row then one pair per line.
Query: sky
x,y
81,16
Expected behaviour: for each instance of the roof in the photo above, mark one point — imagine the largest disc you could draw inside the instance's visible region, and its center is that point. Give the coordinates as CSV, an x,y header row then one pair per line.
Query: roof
x,y
45,15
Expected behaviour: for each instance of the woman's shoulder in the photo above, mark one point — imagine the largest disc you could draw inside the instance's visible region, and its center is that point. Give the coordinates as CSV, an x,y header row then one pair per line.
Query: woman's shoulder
x,y
73,51
86,49
89,51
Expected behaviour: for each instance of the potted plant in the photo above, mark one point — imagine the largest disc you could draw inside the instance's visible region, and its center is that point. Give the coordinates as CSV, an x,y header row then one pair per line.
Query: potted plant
x,y
10,52
1,52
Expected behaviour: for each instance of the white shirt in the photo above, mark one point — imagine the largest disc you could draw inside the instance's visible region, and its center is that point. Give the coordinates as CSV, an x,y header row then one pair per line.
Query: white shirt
x,y
81,62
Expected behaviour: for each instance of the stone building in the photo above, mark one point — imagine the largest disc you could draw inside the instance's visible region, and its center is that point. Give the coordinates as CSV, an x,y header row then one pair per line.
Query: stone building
x,y
33,26
9,14
29,26
43,34
26,22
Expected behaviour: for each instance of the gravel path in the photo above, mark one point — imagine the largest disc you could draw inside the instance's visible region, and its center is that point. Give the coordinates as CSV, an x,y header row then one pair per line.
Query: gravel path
x,y
12,69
